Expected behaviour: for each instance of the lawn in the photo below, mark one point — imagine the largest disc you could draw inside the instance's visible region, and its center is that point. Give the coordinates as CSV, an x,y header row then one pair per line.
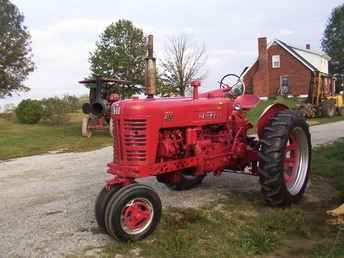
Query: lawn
x,y
241,225
18,140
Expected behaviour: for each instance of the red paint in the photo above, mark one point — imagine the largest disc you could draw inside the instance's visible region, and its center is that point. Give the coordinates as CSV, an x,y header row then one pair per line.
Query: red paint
x,y
247,101
195,85
290,166
264,118
166,136
136,215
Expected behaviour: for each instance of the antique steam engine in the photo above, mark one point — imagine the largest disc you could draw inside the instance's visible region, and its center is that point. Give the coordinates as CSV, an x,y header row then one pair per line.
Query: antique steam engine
x,y
182,139
103,93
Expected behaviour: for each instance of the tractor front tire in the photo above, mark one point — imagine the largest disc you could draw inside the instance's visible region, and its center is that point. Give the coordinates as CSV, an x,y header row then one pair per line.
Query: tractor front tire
x,y
101,203
187,181
133,212
85,131
285,159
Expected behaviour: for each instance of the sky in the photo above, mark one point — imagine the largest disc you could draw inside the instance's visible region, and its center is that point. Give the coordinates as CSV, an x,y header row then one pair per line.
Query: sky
x,y
64,32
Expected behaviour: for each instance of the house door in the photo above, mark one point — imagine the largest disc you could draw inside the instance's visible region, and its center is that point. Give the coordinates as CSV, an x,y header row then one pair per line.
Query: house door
x,y
284,85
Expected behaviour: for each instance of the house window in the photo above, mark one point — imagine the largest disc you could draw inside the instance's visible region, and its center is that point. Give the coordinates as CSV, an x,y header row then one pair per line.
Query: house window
x,y
276,62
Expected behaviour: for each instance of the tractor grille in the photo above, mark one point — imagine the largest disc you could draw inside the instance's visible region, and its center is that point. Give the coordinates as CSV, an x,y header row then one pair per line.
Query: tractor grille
x,y
135,139
116,143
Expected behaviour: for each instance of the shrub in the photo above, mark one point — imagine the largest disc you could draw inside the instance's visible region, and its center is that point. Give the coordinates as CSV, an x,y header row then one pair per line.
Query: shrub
x,y
72,103
9,116
55,111
29,111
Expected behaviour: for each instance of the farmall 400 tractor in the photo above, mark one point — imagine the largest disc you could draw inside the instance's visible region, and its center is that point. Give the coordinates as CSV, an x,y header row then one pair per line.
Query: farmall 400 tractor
x,y
180,140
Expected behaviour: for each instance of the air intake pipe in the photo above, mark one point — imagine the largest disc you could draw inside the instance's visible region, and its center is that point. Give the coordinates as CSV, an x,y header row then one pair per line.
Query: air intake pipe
x,y
150,70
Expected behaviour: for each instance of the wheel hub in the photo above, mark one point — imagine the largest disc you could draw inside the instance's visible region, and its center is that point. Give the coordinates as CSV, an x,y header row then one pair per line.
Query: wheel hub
x,y
296,160
136,216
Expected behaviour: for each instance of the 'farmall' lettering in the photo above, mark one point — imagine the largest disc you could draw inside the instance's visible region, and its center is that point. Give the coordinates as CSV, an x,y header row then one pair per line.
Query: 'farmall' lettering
x,y
207,115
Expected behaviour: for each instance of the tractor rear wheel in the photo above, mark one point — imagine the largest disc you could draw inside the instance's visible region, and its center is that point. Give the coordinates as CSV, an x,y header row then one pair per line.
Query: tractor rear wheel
x,y
85,130
133,212
341,111
185,180
101,203
285,158
328,108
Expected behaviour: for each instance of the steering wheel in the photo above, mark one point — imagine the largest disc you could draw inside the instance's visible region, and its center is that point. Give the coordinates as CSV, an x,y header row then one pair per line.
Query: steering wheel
x,y
228,88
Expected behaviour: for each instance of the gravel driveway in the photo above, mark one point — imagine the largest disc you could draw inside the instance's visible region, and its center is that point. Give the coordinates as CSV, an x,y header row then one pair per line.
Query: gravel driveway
x,y
46,201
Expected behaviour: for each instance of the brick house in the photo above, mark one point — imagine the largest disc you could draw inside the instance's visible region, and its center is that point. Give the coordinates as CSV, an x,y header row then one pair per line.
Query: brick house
x,y
283,69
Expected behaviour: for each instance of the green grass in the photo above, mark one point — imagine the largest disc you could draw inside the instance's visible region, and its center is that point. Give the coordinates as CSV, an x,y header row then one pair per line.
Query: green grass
x,y
328,162
241,225
18,140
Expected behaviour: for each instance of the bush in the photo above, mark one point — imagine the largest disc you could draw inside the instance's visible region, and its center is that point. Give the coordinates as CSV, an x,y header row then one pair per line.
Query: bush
x,y
55,111
9,116
29,111
72,103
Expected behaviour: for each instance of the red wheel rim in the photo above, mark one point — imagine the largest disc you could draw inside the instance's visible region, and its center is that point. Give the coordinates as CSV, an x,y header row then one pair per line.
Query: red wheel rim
x,y
296,160
136,216
290,159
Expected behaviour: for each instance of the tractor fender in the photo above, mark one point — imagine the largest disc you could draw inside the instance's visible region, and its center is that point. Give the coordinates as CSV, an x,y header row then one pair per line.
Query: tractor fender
x,y
264,118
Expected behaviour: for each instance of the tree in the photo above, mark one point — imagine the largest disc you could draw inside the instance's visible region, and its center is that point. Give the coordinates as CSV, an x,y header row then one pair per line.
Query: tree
x,y
333,40
15,51
120,54
55,111
184,61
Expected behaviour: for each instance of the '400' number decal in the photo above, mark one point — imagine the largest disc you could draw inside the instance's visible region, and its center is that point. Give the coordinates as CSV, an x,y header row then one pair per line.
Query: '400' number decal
x,y
207,115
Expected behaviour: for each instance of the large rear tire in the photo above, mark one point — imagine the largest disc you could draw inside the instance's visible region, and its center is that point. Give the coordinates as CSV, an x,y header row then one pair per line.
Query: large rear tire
x,y
328,108
341,111
133,212
285,158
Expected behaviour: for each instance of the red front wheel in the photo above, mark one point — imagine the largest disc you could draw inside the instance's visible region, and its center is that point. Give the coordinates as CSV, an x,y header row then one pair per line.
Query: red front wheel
x,y
133,212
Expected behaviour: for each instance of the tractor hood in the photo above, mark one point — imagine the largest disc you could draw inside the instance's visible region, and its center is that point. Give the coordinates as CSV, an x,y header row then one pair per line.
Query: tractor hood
x,y
174,112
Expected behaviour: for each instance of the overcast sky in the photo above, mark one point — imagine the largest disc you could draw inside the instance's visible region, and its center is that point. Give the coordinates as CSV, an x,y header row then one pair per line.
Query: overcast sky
x,y
65,31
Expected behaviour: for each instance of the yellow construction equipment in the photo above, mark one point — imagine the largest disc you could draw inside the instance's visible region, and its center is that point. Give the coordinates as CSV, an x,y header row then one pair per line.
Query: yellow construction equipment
x,y
337,214
322,100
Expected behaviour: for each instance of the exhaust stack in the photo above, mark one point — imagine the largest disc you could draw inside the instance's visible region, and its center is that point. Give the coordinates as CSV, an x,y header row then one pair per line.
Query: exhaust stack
x,y
150,70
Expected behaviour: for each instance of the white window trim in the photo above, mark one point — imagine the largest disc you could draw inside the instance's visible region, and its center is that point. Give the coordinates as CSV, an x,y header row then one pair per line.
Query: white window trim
x,y
276,61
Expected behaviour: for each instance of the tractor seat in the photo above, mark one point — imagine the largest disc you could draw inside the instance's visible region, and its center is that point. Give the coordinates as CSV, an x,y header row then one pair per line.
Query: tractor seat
x,y
247,101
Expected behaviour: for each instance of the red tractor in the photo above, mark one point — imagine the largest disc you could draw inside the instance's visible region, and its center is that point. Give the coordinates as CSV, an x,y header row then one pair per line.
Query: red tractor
x,y
180,140
103,93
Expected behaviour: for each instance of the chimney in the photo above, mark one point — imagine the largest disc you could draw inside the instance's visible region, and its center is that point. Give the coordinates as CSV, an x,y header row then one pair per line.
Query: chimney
x,y
262,49
263,65
308,46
